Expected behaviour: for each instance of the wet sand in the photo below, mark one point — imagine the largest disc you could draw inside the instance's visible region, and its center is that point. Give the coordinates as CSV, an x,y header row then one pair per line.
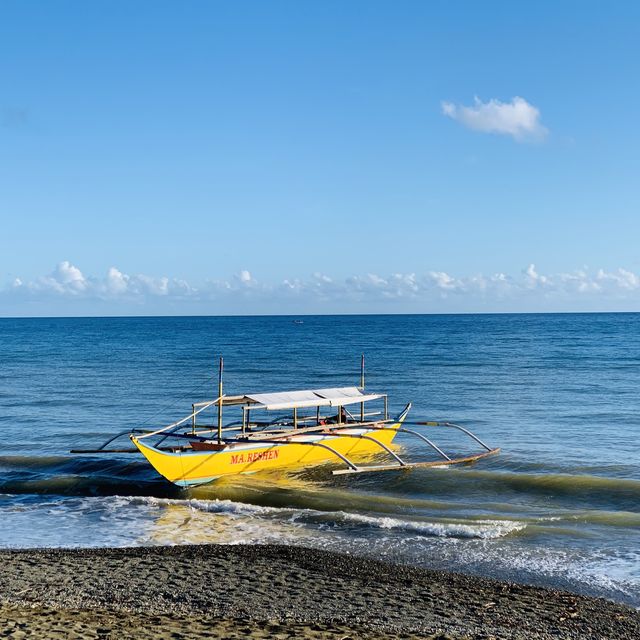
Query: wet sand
x,y
269,591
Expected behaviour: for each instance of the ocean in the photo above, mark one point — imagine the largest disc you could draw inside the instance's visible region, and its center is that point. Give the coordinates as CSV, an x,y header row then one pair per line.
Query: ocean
x,y
559,393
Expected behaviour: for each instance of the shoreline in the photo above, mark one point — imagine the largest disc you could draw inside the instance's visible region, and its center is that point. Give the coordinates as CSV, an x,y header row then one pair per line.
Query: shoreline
x,y
259,591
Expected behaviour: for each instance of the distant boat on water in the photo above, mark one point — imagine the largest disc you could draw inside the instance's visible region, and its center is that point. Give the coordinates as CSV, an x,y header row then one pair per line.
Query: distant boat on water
x,y
298,321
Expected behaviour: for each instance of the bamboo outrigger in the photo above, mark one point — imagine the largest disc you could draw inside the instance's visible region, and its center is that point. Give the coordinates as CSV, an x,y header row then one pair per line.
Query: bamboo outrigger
x,y
189,454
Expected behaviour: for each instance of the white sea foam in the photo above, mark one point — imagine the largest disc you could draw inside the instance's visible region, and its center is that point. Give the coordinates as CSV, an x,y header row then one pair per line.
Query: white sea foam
x,y
485,545
597,573
483,529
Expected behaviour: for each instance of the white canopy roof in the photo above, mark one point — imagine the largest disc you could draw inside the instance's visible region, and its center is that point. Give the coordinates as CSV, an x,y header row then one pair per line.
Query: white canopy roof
x,y
311,398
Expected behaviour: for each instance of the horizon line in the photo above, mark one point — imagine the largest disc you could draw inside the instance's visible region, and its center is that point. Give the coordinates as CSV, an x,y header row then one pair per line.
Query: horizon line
x,y
322,315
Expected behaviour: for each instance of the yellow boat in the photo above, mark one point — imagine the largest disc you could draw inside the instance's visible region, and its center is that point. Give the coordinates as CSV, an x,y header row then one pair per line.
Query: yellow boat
x,y
317,427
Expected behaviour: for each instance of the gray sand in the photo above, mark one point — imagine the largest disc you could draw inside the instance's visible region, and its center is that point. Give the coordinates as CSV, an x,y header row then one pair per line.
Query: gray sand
x,y
261,591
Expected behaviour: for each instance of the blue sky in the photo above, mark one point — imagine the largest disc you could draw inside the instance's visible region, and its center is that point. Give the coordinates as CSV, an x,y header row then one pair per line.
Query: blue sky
x,y
252,157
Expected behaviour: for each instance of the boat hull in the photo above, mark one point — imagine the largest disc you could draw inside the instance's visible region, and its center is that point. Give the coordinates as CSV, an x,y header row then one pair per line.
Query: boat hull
x,y
192,468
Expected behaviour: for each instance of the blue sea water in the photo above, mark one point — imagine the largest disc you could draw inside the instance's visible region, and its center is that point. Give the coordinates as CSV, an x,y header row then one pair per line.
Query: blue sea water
x,y
559,393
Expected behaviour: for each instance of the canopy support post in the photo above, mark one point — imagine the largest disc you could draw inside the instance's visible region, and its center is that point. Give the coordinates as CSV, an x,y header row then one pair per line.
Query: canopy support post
x,y
362,387
220,370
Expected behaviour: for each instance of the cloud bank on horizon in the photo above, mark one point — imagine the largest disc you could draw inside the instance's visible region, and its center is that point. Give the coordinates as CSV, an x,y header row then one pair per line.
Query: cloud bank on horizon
x,y
67,290
517,118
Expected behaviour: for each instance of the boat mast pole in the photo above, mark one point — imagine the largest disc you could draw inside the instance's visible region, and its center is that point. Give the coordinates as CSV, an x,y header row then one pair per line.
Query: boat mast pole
x,y
362,387
220,370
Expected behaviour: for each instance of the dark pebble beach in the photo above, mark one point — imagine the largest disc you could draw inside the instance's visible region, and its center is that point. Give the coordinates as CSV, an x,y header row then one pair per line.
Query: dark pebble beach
x,y
269,591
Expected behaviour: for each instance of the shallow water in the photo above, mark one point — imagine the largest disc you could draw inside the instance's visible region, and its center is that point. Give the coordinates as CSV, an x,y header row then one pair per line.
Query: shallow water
x,y
558,393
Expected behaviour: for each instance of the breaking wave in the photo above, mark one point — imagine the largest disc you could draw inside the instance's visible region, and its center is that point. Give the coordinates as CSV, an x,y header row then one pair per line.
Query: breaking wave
x,y
481,529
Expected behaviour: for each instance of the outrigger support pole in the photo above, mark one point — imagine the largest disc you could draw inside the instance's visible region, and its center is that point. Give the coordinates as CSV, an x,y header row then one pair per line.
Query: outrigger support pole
x,y
401,462
102,448
414,433
454,426
344,459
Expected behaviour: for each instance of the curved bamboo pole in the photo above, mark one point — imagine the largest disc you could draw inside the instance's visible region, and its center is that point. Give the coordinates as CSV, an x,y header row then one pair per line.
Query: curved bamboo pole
x,y
278,443
454,426
183,420
108,442
401,462
413,433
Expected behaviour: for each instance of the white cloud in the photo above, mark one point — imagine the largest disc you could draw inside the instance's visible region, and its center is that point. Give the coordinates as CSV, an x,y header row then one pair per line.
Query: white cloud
x,y
442,280
64,279
116,282
533,278
68,280
517,118
66,286
621,278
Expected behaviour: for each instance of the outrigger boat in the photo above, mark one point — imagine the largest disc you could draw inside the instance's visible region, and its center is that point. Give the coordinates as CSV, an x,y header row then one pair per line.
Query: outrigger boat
x,y
318,427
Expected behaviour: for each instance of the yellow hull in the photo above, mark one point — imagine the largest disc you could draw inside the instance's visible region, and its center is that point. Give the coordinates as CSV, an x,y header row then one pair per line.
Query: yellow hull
x,y
192,468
